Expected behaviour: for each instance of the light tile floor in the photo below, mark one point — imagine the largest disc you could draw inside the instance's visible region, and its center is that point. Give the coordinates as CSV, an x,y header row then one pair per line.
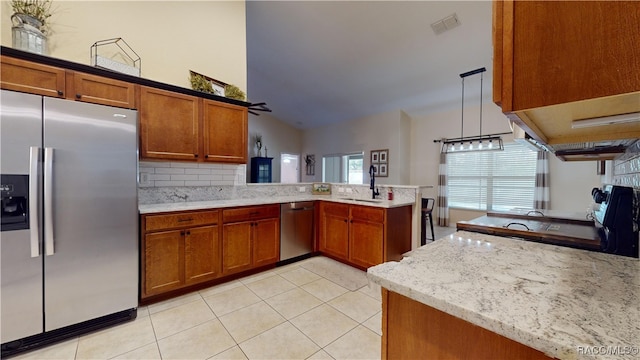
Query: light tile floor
x,y
313,309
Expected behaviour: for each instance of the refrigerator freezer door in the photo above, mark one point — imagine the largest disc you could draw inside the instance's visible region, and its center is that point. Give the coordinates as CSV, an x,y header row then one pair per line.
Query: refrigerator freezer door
x,y
21,274
93,268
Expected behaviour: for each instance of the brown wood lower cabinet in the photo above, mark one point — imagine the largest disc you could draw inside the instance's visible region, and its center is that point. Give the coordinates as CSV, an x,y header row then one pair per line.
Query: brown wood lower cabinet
x,y
364,236
186,248
412,330
251,238
179,249
163,262
200,254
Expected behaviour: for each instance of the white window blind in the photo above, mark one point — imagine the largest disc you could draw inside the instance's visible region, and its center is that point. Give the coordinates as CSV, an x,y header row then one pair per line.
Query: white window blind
x,y
492,180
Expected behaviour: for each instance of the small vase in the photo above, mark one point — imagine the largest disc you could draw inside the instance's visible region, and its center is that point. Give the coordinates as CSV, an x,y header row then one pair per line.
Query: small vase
x,y
27,35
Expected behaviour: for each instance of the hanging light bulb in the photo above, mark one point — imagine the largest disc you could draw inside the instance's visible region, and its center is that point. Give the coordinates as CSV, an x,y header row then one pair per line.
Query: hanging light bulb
x,y
490,144
460,148
480,145
470,145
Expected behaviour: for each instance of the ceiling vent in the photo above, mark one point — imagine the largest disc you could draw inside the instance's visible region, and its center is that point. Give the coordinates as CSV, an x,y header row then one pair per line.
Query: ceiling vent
x,y
445,24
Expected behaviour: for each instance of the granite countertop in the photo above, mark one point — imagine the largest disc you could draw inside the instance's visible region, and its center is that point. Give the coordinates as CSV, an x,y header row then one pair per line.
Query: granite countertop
x,y
555,299
200,205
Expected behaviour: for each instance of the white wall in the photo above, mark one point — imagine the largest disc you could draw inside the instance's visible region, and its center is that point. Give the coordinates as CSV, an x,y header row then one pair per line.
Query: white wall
x,y
571,184
171,37
278,137
381,131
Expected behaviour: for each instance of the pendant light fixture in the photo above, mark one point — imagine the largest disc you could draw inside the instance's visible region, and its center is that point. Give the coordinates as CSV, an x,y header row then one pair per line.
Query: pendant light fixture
x,y
480,142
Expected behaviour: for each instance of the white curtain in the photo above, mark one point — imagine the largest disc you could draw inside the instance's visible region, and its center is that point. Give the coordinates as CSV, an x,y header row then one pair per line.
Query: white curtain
x,y
443,202
541,195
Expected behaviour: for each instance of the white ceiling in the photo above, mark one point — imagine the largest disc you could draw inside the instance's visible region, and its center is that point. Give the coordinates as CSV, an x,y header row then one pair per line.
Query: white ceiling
x,y
322,62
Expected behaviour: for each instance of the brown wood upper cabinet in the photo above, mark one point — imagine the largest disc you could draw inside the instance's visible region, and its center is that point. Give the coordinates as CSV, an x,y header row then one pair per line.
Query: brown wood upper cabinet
x,y
100,90
559,61
169,125
225,132
182,127
364,236
39,79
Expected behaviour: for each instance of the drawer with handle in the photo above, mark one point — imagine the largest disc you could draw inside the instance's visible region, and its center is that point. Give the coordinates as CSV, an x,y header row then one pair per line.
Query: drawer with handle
x,y
180,220
251,213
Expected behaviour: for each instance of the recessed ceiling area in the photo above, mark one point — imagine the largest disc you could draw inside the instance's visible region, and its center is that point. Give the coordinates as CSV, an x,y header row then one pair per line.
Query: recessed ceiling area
x,y
321,62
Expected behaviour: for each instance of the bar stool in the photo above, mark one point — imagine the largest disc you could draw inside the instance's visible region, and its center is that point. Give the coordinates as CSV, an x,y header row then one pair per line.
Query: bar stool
x,y
427,212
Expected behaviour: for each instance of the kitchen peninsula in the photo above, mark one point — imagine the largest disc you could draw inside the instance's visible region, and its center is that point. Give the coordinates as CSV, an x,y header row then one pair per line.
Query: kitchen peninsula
x,y
472,295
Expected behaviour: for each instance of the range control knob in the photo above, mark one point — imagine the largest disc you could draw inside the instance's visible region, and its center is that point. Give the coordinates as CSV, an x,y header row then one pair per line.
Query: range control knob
x,y
599,196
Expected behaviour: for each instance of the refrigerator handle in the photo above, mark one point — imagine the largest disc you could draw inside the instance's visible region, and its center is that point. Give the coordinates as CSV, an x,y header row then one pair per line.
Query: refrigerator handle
x,y
34,223
48,201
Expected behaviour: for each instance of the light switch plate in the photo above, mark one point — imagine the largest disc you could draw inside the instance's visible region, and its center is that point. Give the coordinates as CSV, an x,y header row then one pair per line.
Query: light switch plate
x,y
349,190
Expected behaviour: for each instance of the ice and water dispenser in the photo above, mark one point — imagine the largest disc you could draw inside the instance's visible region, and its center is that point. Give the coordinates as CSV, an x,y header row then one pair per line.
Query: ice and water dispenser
x,y
14,191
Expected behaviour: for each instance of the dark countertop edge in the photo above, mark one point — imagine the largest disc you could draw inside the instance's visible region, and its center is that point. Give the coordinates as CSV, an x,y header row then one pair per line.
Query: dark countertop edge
x,y
47,60
548,218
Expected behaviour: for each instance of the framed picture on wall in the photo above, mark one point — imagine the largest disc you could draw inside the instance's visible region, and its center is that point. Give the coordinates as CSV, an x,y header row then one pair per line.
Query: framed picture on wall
x,y
383,156
375,157
383,170
380,162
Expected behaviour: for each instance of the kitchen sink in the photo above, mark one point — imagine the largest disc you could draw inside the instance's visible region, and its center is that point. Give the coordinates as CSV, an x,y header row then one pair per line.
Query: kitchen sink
x,y
366,200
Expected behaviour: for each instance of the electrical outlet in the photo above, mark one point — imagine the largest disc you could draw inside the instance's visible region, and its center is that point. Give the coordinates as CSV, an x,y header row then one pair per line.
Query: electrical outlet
x,y
340,190
144,178
349,190
301,189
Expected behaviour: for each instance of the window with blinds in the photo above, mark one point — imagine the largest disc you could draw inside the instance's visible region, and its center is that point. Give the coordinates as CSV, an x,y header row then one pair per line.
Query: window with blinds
x,y
492,180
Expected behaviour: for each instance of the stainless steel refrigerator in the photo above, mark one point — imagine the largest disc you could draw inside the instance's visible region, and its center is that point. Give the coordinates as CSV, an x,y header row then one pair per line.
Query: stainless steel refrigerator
x,y
68,239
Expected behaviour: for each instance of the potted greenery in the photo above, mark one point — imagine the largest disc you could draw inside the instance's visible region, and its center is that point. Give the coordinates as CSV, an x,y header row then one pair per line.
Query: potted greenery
x,y
30,24
32,12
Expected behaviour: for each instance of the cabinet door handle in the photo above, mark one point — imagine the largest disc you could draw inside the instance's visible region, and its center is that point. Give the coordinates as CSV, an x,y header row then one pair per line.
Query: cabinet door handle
x,y
188,232
206,156
78,96
60,93
182,233
195,155
345,220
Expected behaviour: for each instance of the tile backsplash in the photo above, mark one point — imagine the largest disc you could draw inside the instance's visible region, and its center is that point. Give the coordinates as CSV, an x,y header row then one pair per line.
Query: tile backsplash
x,y
161,174
626,170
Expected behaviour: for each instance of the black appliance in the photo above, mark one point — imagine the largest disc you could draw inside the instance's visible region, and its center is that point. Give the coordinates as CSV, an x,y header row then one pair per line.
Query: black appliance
x,y
14,199
617,226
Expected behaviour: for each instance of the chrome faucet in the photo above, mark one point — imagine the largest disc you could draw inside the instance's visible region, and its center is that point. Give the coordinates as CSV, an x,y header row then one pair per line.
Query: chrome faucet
x,y
374,191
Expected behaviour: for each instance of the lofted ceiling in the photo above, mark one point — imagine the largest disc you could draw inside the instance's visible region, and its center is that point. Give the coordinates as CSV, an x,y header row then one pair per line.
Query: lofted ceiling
x,y
322,62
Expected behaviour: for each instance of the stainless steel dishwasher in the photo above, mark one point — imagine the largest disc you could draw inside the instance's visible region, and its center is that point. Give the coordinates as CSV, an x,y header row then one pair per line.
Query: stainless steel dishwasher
x,y
296,230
